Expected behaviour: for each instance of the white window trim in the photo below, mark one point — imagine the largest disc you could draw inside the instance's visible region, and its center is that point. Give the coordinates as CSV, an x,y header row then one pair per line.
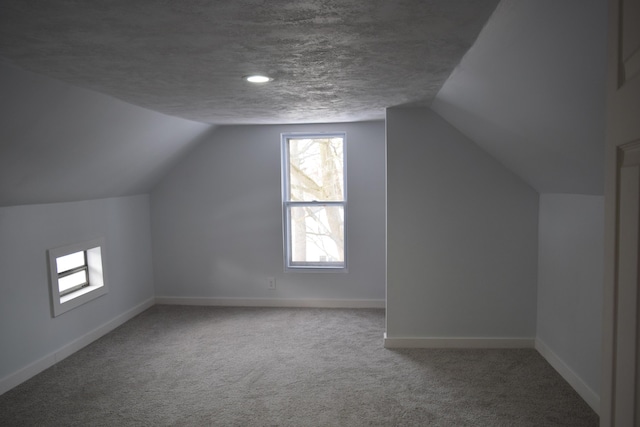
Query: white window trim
x,y
95,268
286,223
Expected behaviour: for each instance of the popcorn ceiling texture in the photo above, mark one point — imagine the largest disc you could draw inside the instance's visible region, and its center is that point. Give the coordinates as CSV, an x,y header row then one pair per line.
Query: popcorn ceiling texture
x,y
332,60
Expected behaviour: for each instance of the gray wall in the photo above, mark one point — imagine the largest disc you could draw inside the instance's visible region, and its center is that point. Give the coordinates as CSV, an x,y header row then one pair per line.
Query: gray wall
x,y
461,235
217,219
570,275
27,330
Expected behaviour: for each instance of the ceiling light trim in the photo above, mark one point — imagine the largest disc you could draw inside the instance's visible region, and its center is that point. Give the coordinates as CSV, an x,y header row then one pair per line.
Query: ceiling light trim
x,y
258,78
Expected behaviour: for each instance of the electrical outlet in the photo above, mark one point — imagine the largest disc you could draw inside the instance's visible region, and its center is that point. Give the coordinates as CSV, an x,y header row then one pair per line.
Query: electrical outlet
x,y
271,282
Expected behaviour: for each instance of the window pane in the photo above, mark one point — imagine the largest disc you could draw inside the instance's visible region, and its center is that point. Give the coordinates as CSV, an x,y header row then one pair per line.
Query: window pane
x,y
72,280
70,261
316,169
317,234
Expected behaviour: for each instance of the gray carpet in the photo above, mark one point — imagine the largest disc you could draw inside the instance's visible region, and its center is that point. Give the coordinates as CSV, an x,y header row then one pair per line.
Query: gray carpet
x,y
201,366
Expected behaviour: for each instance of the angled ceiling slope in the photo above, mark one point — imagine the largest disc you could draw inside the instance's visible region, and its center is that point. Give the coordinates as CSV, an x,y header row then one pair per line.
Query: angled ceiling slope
x,y
531,92
332,60
60,143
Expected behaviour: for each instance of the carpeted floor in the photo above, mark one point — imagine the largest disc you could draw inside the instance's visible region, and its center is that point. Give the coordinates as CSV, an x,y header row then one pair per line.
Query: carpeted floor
x,y
202,366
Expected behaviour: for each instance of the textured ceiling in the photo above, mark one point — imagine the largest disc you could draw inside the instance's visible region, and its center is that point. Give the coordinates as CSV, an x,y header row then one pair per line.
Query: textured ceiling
x,y
332,60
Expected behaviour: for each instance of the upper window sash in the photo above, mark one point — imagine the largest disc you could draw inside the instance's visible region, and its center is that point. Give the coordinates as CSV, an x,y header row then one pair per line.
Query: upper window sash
x,y
297,185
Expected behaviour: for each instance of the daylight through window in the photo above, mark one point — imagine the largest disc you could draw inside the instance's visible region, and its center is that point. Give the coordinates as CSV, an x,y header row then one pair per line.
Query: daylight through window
x,y
72,272
314,199
76,275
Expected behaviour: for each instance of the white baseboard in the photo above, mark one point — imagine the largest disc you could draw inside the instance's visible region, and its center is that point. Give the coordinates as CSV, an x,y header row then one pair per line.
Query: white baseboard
x,y
571,377
12,380
273,302
458,342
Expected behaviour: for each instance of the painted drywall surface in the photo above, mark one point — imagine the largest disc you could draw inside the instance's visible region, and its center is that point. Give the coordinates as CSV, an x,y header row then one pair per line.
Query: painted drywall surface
x,y
570,277
461,235
217,219
531,92
61,143
28,332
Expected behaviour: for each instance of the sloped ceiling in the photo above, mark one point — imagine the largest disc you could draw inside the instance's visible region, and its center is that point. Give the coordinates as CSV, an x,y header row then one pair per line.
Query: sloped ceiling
x,y
531,92
99,98
61,143
332,60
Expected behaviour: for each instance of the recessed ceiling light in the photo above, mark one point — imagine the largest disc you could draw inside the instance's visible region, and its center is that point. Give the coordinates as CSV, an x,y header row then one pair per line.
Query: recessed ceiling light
x,y
257,78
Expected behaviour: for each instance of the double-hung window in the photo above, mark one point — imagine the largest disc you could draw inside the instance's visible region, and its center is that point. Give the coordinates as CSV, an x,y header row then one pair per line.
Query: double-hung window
x,y
73,273
314,195
76,275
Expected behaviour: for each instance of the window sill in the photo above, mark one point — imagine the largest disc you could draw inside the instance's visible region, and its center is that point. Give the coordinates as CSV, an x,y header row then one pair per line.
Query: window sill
x,y
81,292
315,269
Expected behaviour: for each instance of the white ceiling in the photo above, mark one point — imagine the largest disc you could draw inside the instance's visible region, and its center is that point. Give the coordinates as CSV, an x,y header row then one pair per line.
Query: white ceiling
x,y
332,60
531,92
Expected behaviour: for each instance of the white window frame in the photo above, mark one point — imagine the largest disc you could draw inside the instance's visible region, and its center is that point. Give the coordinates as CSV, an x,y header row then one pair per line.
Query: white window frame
x,y
97,283
289,265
